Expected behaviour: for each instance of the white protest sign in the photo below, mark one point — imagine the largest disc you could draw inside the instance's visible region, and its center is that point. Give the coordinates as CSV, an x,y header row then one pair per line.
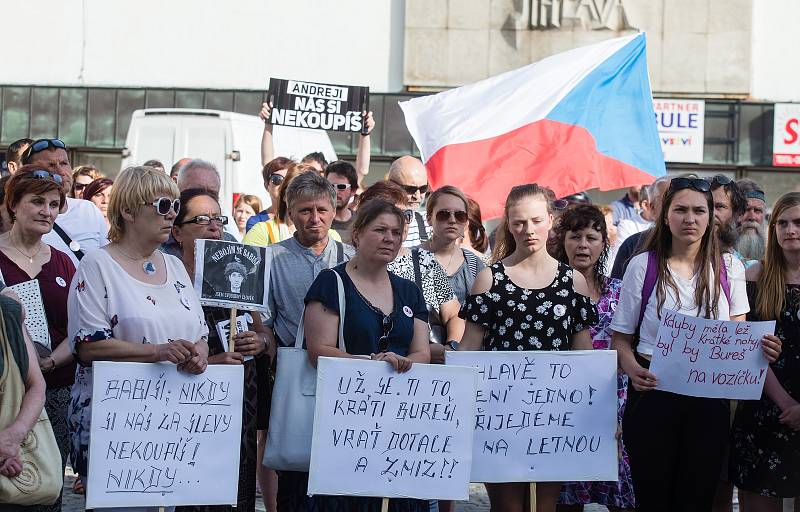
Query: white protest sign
x,y
160,437
387,434
710,358
681,128
786,135
544,416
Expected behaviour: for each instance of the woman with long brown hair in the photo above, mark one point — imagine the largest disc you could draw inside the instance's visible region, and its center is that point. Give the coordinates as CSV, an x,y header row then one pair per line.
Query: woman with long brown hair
x,y
527,300
676,443
765,448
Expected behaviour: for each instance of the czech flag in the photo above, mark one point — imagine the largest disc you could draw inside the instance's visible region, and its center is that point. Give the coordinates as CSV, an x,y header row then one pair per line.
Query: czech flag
x,y
574,121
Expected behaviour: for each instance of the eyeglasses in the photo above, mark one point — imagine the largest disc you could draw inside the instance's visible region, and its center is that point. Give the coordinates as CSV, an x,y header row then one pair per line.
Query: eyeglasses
x,y
697,184
46,175
341,186
276,179
459,215
411,189
205,220
409,215
164,204
386,327
42,144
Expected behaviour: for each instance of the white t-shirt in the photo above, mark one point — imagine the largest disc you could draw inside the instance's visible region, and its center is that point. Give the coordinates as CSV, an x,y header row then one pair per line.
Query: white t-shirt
x,y
626,317
84,224
628,227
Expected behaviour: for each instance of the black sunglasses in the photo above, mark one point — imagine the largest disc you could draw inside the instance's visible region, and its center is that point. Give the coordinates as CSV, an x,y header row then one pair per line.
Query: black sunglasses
x,y
698,184
411,189
386,327
46,175
560,204
205,220
42,144
164,204
459,215
276,179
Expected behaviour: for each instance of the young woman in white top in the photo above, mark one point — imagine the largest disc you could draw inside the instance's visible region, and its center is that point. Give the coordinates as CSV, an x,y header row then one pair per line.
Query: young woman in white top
x,y
676,443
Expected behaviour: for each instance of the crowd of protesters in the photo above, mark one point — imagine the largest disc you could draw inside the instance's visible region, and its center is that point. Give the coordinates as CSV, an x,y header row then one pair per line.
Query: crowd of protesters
x,y
421,276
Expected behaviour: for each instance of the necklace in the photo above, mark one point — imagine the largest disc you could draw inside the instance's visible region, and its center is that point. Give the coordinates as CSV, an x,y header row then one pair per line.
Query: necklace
x,y
452,255
29,256
148,267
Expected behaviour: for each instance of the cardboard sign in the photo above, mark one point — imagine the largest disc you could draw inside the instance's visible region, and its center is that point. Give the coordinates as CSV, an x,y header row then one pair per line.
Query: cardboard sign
x,y
230,275
160,437
387,434
544,416
681,129
786,135
710,358
320,106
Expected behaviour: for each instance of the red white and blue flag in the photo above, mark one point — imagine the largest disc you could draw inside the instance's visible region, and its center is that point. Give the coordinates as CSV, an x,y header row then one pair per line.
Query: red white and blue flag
x,y
574,121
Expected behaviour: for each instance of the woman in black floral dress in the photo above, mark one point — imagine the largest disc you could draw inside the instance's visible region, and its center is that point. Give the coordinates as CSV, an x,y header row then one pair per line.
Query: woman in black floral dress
x,y
765,452
527,300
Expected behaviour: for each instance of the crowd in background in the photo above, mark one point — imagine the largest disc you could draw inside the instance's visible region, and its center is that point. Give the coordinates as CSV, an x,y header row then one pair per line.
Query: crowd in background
x,y
421,276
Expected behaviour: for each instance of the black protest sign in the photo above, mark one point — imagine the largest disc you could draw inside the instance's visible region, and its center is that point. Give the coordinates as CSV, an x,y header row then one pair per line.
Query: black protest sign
x,y
228,274
319,106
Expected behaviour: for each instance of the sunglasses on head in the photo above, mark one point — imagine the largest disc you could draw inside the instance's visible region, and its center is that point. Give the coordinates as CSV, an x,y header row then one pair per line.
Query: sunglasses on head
x,y
46,175
720,180
276,179
164,204
386,327
698,184
560,204
459,215
42,144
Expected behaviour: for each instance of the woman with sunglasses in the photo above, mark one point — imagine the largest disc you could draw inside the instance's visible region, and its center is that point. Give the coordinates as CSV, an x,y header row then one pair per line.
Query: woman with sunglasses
x,y
765,445
81,178
274,172
129,301
33,199
676,443
385,319
527,300
585,244
200,217
280,227
421,267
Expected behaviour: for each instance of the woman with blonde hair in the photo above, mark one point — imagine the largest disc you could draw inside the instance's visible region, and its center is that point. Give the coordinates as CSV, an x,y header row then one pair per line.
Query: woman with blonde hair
x,y
765,447
280,227
128,300
527,300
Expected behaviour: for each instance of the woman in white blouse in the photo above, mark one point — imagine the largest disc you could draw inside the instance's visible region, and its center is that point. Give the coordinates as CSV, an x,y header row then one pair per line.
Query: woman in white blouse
x,y
129,301
676,443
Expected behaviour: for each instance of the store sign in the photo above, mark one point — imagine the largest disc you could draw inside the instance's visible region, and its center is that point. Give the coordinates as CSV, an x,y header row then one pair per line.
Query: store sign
x,y
591,15
786,135
681,128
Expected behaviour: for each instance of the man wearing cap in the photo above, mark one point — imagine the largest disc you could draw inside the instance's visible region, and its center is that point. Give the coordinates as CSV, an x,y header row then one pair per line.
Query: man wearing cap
x,y
752,224
410,173
79,227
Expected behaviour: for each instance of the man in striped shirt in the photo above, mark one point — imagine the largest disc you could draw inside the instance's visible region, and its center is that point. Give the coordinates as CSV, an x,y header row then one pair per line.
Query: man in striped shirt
x,y
410,173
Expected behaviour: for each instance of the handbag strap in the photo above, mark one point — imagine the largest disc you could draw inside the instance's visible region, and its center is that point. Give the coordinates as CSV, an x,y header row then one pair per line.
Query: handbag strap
x,y
301,329
423,233
417,269
67,240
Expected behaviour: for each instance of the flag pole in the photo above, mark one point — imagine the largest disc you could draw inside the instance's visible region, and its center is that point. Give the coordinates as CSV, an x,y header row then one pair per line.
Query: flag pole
x,y
532,490
385,505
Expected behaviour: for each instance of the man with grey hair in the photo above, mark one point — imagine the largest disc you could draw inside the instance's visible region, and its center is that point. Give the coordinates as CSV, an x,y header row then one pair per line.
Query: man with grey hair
x,y
632,245
294,264
410,173
752,224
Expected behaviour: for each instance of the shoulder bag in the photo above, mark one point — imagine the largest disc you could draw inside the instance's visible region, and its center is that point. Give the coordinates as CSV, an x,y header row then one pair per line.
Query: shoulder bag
x,y
291,423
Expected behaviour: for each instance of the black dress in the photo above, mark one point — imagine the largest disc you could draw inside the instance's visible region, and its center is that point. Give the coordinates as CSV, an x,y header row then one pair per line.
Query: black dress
x,y
519,318
765,455
254,403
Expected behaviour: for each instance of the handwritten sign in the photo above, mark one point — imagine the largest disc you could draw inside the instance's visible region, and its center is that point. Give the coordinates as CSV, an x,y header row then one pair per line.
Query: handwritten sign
x,y
230,275
160,437
382,433
710,358
544,416
318,106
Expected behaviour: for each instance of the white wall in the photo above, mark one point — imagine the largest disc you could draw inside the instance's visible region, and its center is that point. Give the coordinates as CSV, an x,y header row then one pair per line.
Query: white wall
x,y
235,44
776,75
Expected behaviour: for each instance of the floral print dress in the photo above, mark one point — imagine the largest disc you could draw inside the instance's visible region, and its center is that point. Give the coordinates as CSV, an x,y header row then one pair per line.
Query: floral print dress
x,y
619,493
106,302
765,454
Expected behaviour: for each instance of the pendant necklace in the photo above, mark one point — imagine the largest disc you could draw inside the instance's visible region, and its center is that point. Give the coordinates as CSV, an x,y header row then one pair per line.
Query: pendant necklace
x,y
29,256
148,267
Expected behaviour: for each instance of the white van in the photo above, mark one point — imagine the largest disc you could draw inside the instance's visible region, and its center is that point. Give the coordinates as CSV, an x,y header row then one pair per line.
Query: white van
x,y
229,140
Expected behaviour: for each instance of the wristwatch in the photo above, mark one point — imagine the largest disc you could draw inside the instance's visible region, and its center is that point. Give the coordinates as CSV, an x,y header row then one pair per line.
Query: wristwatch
x,y
452,344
